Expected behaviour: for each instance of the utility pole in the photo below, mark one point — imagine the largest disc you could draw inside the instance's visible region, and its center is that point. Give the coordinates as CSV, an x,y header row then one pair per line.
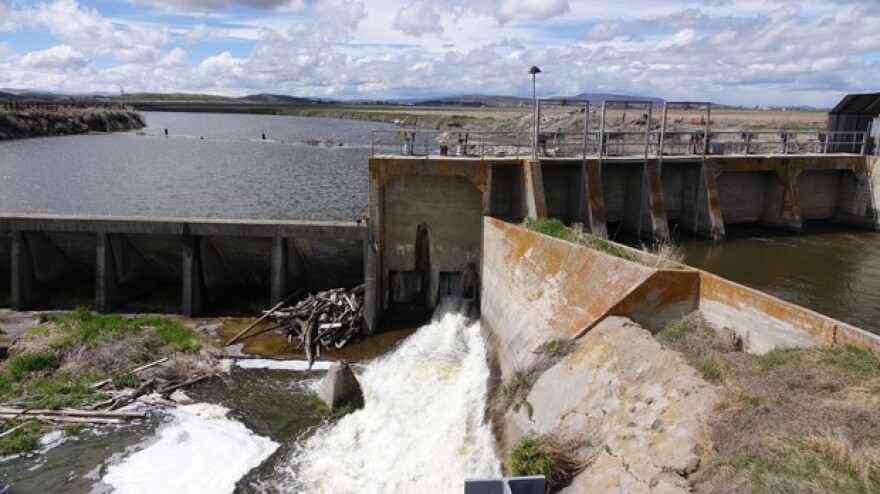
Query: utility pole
x,y
534,70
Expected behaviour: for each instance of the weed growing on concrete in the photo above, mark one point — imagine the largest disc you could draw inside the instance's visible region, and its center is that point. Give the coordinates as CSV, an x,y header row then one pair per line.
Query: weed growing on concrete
x,y
555,228
694,337
514,390
548,455
556,349
665,254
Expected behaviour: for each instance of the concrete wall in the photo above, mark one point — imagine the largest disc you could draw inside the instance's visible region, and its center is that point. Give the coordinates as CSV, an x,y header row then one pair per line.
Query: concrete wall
x,y
562,191
450,208
125,258
537,288
746,196
507,200
766,322
5,263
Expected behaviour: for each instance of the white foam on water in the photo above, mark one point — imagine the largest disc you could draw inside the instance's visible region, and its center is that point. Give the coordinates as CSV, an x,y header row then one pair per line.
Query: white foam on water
x,y
200,451
288,365
422,428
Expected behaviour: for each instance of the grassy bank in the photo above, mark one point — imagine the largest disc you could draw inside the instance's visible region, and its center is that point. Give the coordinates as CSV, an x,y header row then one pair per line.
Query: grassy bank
x,y
796,420
20,124
58,363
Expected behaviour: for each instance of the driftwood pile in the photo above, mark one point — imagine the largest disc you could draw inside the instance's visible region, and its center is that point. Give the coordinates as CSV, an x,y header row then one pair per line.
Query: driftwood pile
x,y
332,317
323,319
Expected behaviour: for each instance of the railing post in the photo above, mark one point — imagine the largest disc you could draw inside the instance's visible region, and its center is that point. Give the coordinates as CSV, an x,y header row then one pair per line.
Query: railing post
x,y
864,143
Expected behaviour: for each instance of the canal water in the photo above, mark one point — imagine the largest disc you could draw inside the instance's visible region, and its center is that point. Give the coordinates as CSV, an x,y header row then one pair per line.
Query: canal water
x,y
832,269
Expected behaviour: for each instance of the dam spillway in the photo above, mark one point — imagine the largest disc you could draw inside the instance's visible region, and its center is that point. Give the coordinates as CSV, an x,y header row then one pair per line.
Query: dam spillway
x,y
124,258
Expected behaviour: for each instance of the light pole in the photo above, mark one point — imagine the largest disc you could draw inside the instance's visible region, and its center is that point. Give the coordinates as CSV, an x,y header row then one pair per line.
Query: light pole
x,y
534,70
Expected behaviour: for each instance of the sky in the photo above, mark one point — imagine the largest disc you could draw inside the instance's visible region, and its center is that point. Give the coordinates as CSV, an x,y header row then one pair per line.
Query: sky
x,y
744,52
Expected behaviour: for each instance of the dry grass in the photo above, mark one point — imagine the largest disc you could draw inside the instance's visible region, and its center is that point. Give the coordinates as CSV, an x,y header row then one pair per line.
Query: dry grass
x,y
668,254
798,420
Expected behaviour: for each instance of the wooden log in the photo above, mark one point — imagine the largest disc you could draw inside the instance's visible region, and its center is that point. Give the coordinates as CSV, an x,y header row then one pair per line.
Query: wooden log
x,y
69,420
101,384
184,384
70,412
262,318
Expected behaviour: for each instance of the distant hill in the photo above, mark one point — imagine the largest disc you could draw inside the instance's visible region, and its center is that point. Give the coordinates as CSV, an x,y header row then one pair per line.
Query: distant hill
x,y
476,100
275,99
479,100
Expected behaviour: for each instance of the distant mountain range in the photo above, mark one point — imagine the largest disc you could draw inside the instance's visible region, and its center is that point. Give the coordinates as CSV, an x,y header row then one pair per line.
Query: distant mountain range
x,y
269,100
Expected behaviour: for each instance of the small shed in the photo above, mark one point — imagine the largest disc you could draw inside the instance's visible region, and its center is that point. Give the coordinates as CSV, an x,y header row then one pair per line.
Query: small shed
x,y
854,113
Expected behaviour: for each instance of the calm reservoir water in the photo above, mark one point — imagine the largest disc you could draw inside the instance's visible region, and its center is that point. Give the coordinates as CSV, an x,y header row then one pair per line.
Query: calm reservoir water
x,y
211,166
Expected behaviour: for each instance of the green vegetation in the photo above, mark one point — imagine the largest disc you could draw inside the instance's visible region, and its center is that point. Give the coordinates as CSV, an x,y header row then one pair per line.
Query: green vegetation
x,y
853,361
712,367
25,438
514,390
87,329
55,365
26,363
555,228
322,409
554,458
527,458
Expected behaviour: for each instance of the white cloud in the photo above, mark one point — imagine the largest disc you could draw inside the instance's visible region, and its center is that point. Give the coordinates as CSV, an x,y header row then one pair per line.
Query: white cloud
x,y
417,19
61,58
732,51
530,10
215,5
87,30
7,16
604,31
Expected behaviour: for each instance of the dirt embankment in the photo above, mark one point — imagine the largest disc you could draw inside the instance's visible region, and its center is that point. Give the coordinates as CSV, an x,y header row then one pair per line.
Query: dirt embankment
x,y
20,124
791,420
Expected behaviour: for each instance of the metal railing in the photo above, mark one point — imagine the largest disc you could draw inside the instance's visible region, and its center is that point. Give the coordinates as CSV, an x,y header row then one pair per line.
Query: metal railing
x,y
613,143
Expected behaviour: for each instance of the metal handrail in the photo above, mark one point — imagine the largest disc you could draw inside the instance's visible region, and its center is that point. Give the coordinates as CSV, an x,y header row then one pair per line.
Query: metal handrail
x,y
613,143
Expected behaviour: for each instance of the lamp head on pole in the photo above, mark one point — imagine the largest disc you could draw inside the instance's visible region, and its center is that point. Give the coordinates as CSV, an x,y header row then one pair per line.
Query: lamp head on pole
x,y
534,70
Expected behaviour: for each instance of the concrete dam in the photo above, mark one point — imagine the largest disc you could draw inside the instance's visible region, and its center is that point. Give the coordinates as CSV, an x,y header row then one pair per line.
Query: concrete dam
x,y
426,221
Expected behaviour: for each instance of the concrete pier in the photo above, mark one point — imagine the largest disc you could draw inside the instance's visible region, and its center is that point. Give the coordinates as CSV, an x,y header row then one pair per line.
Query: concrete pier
x,y
125,258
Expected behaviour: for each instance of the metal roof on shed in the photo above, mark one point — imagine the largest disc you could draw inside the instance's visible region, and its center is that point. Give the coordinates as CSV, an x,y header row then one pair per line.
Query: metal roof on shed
x,y
858,104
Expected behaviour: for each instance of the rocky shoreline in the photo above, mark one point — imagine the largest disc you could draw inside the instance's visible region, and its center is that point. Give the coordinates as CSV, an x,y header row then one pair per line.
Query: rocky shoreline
x,y
41,122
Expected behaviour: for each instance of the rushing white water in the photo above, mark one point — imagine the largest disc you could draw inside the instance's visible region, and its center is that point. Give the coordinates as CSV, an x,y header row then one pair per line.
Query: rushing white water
x,y
286,365
201,451
422,428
